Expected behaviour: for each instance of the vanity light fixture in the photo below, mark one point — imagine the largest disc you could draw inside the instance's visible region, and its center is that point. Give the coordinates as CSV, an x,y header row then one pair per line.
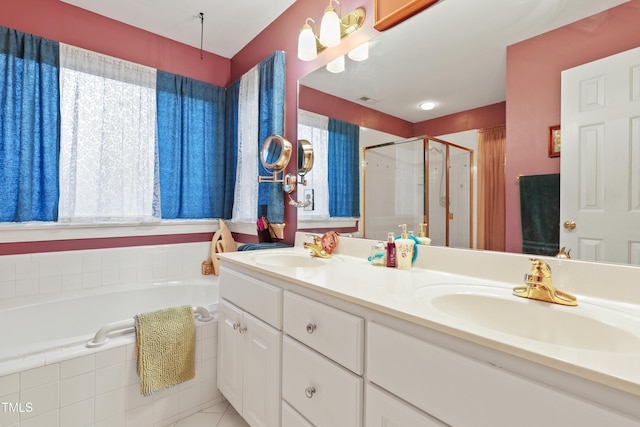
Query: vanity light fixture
x,y
429,105
333,28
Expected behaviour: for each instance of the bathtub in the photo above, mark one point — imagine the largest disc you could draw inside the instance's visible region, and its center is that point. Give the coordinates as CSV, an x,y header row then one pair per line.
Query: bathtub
x,y
47,367
44,325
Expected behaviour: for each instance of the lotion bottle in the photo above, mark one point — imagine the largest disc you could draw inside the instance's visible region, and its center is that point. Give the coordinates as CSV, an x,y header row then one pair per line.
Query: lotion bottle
x,y
391,251
422,235
404,249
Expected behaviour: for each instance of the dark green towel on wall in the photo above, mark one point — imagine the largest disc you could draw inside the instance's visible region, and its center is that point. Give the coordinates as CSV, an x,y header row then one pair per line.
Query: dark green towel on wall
x,y
540,214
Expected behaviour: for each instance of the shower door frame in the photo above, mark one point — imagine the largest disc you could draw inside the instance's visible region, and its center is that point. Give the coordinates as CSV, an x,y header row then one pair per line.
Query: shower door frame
x,y
448,145
425,201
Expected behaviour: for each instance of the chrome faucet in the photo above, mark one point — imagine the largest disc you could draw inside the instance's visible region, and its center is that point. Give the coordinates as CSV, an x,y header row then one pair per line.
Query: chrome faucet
x,y
538,286
322,247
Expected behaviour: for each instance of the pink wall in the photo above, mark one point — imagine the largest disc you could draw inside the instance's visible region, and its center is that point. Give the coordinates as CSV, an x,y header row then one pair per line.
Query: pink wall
x,y
341,109
477,118
282,34
56,20
533,92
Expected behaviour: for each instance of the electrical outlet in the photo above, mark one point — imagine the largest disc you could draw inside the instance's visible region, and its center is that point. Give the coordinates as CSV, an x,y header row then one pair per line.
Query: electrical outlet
x,y
308,196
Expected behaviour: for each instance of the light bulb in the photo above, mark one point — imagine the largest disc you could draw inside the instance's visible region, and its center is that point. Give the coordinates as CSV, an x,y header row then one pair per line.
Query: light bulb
x,y
307,49
430,105
330,28
337,65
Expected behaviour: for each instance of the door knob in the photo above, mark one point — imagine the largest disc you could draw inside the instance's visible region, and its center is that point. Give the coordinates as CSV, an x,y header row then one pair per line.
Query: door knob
x,y
311,328
569,225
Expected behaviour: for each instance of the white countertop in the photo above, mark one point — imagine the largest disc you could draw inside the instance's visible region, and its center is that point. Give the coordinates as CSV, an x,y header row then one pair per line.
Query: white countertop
x,y
401,294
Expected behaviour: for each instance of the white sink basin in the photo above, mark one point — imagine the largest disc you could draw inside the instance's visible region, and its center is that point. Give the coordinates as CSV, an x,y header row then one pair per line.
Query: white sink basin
x,y
291,260
587,326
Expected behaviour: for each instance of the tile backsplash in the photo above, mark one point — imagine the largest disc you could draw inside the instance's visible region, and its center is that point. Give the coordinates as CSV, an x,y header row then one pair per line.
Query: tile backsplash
x,y
55,272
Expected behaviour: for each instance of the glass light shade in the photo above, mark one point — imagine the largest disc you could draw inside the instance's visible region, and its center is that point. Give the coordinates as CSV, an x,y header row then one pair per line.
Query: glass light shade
x,y
359,53
307,49
337,65
330,28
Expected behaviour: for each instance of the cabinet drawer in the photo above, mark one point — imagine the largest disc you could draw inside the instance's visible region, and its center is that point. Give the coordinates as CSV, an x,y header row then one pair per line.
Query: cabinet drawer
x,y
384,409
323,392
291,417
332,332
260,299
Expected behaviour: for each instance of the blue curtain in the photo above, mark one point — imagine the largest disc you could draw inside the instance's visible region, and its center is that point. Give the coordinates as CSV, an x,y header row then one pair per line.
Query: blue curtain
x,y
344,169
271,118
192,153
29,124
231,140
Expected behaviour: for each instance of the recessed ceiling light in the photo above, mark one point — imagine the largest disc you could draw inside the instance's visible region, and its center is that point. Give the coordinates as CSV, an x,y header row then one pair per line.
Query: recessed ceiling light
x,y
429,105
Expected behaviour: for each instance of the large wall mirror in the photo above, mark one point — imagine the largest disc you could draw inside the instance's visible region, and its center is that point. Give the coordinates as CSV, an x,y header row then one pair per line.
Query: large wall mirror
x,y
432,57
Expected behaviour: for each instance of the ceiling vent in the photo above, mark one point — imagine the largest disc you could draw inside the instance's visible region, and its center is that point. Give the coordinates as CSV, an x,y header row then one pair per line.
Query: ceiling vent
x,y
368,100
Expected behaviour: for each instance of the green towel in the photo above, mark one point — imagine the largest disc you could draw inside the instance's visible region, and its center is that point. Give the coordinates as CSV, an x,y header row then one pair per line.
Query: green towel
x,y
540,214
165,348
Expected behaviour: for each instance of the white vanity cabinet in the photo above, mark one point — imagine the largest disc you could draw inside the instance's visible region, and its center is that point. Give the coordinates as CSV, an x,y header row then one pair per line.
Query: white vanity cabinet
x,y
249,348
322,360
462,391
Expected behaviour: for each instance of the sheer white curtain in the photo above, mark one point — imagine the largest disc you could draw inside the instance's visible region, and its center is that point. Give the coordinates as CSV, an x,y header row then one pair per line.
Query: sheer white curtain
x,y
245,205
313,127
108,156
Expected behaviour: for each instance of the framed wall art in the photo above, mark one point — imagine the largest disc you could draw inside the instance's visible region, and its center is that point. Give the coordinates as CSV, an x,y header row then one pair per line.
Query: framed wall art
x,y
554,141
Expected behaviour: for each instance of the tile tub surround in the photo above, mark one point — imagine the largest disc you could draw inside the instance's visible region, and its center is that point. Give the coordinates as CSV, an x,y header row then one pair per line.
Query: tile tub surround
x,y
27,275
102,388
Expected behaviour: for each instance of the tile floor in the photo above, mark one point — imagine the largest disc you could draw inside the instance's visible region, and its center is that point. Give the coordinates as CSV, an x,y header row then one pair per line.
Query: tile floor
x,y
219,415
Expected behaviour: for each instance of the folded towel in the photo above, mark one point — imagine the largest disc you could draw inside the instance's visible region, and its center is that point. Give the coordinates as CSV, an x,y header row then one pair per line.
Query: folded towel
x,y
165,348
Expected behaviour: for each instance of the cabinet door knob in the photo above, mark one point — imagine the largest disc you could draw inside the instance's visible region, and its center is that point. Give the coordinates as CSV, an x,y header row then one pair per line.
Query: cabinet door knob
x,y
242,329
236,325
311,328
309,392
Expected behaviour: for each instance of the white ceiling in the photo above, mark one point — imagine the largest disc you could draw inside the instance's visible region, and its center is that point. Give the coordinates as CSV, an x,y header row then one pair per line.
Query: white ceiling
x,y
228,25
453,53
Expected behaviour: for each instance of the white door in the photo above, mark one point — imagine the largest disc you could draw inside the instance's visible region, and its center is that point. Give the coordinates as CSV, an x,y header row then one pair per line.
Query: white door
x,y
230,353
261,388
600,159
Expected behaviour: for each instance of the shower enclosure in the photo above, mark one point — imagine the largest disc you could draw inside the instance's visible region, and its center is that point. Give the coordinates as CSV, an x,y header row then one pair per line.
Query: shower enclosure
x,y
419,180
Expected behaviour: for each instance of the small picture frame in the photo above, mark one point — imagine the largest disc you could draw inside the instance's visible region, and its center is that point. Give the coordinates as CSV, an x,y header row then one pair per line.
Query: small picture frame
x,y
554,141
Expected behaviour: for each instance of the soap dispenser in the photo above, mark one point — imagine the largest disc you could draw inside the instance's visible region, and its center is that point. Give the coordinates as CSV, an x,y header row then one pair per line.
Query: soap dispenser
x,y
404,249
422,235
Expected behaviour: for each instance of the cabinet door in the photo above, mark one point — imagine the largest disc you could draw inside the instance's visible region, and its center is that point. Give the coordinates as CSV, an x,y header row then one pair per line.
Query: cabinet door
x,y
230,353
261,385
385,410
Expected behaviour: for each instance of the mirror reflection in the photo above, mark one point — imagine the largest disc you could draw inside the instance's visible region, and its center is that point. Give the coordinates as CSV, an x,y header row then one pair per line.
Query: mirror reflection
x,y
523,156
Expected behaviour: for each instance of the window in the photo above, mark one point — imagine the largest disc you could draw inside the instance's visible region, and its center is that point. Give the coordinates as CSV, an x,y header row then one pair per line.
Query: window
x,y
108,156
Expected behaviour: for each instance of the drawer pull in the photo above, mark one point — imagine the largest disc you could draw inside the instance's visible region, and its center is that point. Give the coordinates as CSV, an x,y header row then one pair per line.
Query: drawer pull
x,y
311,328
309,392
